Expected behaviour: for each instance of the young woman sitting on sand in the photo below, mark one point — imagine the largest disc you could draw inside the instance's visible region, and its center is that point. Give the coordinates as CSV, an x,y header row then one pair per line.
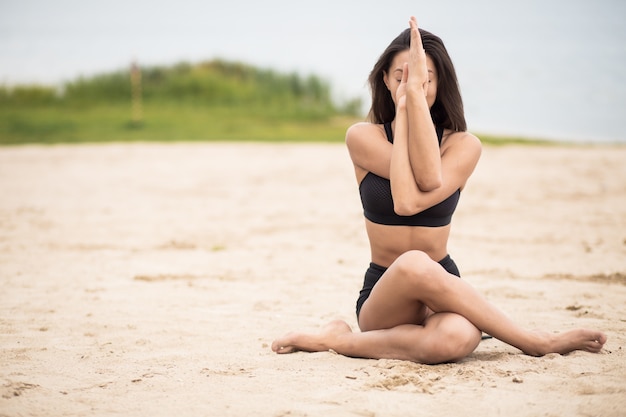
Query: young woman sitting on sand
x,y
411,163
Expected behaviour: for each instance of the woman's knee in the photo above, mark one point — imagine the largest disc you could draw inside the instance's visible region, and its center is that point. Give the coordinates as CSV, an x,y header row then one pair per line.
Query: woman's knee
x,y
454,337
461,345
418,267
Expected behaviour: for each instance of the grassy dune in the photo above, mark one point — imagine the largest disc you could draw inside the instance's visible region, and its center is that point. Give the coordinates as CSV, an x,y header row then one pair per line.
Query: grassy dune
x,y
209,101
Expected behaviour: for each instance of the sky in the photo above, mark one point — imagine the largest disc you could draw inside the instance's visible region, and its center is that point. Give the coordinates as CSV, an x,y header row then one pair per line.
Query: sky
x,y
532,56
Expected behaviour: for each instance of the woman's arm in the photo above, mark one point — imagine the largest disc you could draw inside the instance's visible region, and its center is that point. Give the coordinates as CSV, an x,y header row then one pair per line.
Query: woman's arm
x,y
404,187
423,173
423,146
456,159
371,152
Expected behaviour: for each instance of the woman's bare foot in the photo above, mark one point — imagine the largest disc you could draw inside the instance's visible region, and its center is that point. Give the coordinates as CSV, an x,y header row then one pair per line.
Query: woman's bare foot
x,y
310,342
580,339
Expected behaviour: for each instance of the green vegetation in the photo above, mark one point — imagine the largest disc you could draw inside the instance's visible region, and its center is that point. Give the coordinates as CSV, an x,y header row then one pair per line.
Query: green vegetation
x,y
209,101
214,100
513,140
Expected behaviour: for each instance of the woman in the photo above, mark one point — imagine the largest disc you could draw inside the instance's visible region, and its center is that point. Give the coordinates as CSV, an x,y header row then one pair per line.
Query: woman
x,y
411,163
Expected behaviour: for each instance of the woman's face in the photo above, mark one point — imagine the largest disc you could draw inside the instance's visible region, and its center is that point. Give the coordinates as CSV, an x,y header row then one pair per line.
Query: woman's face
x,y
394,76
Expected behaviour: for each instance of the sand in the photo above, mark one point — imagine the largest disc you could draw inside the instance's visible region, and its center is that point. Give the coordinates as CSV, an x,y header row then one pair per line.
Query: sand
x,y
151,279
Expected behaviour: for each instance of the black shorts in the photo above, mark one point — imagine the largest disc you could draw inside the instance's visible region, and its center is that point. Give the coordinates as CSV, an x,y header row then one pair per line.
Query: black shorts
x,y
374,272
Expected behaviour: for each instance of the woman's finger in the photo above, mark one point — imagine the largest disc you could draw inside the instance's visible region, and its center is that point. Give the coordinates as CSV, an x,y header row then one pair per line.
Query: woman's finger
x,y
416,39
405,72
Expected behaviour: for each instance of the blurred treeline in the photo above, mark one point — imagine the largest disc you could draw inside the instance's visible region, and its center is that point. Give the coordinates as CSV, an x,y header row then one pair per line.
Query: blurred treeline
x,y
215,100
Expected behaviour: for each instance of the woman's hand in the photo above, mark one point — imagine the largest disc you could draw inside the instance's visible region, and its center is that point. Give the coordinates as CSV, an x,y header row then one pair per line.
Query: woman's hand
x,y
417,70
401,90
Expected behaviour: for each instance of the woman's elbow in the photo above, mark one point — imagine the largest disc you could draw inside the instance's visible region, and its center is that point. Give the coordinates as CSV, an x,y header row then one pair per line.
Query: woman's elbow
x,y
429,184
405,208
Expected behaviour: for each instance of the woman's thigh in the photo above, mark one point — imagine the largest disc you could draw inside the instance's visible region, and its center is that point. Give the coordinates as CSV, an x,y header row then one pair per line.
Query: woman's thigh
x,y
399,295
394,300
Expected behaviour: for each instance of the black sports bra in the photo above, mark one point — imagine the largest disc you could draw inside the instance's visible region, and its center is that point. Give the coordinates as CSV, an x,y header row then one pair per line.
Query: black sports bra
x,y
378,203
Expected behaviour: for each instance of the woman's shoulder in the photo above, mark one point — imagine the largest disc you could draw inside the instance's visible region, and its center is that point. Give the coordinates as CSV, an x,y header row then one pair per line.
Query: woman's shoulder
x,y
461,143
465,139
361,130
361,127
368,147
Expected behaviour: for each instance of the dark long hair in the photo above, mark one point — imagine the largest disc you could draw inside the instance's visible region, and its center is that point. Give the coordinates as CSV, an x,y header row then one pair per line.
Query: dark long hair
x,y
447,111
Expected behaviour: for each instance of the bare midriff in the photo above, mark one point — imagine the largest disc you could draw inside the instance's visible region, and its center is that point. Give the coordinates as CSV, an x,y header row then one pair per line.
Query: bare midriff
x,y
389,242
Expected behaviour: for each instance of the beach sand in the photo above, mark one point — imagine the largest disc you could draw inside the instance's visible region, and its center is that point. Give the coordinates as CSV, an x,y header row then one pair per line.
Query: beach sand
x,y
151,279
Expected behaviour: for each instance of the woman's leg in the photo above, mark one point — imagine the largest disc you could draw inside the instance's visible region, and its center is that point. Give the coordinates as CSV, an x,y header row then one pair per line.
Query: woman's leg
x,y
387,318
444,337
426,281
